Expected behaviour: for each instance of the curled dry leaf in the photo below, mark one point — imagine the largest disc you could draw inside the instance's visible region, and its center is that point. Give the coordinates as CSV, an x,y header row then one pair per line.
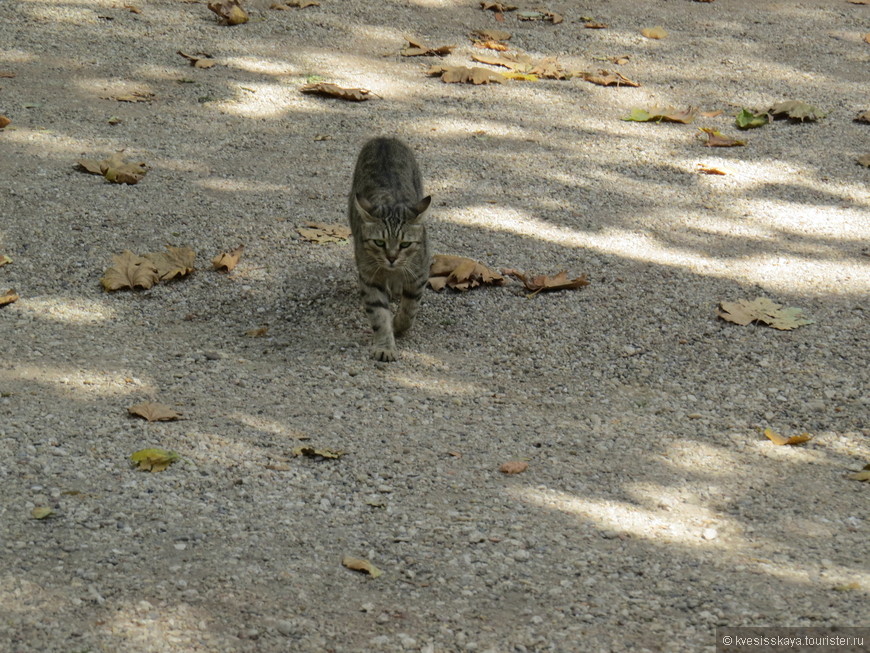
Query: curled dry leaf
x,y
795,110
662,115
318,453
707,170
154,412
417,48
129,271
518,62
4,122
715,138
115,169
226,261
543,282
153,460
864,116
514,467
361,565
491,35
8,297
230,12
654,32
316,232
780,440
460,273
177,262
592,24
327,89
465,75
133,96
198,60
605,78
498,46
762,310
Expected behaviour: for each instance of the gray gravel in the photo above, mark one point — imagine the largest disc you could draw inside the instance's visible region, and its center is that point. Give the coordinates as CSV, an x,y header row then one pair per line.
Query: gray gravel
x,y
652,511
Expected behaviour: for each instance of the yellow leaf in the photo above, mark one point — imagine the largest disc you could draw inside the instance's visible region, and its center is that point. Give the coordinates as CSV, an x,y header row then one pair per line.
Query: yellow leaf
x,y
8,297
198,60
780,440
153,460
522,77
230,12
154,412
654,32
863,475
41,512
715,138
129,271
4,260
707,170
364,566
228,260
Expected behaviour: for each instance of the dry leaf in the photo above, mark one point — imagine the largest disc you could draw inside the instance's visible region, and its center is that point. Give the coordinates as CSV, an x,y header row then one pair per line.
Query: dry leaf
x,y
4,260
540,15
491,35
295,4
543,282
780,440
864,116
516,62
491,45
257,333
327,89
129,271
153,460
316,232
591,24
662,115
41,512
466,75
864,160
499,7
707,170
763,310
863,475
4,121
416,48
549,68
7,74
358,564
154,412
514,467
198,60
867,37
134,96
132,9
460,273
710,114
226,261
8,297
795,110
606,78
715,138
318,453
654,32
115,169
230,12
178,262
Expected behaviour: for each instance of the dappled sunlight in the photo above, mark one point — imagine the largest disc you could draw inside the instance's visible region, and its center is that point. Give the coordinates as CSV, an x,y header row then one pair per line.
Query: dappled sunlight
x,y
16,56
78,381
226,185
257,100
693,456
268,426
145,627
50,142
261,66
77,310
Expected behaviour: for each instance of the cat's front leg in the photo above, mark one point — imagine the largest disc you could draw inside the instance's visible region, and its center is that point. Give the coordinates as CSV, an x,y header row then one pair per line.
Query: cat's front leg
x,y
408,308
376,302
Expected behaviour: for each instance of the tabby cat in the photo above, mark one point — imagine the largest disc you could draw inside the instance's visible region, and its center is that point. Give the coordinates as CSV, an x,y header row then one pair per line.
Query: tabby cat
x,y
386,209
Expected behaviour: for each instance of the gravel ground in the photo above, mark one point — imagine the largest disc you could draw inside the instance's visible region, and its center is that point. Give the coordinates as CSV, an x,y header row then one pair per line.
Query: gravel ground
x,y
652,511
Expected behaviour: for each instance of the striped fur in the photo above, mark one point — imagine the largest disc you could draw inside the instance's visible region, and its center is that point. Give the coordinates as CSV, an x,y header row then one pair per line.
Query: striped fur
x,y
386,209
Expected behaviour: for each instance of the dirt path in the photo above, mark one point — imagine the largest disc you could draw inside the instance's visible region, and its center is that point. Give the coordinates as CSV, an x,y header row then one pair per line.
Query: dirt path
x,y
653,510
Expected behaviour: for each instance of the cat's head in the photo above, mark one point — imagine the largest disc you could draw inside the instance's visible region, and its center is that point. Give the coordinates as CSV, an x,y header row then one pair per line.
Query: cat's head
x,y
392,235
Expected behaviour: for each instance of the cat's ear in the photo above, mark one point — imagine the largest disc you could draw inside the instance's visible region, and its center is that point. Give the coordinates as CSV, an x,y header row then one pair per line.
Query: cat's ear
x,y
420,207
364,207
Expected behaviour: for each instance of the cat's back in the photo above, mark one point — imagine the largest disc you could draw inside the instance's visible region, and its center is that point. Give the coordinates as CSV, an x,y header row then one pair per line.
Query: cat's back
x,y
387,166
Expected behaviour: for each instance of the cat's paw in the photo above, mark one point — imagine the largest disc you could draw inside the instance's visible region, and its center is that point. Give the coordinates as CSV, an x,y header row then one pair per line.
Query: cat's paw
x,y
384,355
402,323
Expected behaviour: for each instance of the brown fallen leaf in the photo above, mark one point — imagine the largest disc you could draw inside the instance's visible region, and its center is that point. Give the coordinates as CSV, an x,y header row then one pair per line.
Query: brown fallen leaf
x,y
316,232
549,68
762,309
318,452
543,282
230,12
466,75
295,4
8,297
153,460
514,467
547,16
864,160
517,62
6,74
115,169
491,35
4,121
707,170
177,262
129,271
133,9
498,46
327,89
498,7
226,261
867,37
154,412
460,273
592,24
198,60
780,440
257,333
864,116
606,78
710,114
133,96
715,138
361,565
416,48
654,32
662,115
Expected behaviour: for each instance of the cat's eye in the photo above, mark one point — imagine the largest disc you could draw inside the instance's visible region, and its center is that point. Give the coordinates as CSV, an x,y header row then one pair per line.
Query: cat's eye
x,y
379,243
405,245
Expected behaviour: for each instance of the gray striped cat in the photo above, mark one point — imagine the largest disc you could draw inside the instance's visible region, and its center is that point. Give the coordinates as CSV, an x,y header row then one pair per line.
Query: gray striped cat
x,y
386,209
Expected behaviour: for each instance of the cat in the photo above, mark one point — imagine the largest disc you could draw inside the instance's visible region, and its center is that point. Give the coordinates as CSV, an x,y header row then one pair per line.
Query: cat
x,y
386,210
